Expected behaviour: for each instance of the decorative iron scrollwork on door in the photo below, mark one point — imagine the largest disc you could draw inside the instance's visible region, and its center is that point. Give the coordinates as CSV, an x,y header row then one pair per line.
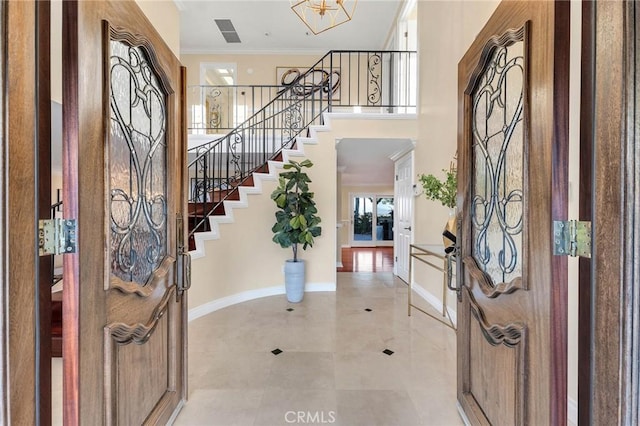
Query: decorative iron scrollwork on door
x,y
137,165
498,171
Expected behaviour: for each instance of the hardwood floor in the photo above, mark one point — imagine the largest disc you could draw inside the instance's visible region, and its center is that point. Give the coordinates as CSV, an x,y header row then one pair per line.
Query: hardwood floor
x,y
367,259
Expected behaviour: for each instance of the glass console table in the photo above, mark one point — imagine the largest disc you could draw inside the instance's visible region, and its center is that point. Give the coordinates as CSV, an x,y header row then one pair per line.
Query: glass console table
x,y
434,256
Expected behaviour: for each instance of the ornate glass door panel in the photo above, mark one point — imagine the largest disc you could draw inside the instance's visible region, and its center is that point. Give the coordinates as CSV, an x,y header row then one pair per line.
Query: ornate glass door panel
x,y
137,165
499,160
512,181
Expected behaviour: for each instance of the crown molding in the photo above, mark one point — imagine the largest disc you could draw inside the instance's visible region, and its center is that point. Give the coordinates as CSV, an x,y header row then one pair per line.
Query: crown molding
x,y
401,153
289,52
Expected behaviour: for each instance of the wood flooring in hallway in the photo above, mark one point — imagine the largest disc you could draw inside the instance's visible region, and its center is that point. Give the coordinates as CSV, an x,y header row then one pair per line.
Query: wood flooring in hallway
x,y
367,259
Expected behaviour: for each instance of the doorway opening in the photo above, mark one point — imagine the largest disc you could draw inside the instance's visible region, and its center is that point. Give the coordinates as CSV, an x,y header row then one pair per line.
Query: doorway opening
x,y
371,220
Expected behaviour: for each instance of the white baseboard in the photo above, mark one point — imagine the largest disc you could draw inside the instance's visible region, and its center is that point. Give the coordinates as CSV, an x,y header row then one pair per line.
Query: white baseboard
x,y
434,301
462,414
174,416
572,412
214,305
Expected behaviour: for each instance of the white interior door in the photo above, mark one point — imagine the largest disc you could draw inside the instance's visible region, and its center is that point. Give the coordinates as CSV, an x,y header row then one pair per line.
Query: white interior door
x,y
404,215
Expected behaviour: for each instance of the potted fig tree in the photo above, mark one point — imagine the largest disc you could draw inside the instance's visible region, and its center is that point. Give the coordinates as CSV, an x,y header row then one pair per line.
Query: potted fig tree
x,y
296,222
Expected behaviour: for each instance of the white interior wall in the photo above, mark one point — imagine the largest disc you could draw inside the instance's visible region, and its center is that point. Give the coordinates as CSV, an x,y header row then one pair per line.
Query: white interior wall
x,y
440,46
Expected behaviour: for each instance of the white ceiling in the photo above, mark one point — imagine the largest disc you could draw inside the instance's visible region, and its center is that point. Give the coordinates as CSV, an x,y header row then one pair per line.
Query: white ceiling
x,y
270,26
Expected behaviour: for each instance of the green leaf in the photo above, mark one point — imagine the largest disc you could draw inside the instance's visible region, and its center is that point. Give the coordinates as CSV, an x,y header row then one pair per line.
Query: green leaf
x,y
281,200
295,222
443,191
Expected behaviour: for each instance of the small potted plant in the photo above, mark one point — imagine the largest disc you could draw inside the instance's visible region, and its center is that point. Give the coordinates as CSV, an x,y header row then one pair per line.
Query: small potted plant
x,y
445,192
296,222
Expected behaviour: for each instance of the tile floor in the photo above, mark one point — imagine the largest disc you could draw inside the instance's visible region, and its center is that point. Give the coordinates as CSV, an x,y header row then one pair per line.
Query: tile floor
x,y
56,391
332,369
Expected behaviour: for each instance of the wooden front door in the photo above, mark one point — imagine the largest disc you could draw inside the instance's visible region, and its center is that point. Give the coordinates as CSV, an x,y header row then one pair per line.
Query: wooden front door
x,y
512,140
123,169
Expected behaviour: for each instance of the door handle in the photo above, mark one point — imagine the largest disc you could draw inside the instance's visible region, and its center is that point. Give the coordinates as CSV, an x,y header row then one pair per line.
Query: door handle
x,y
408,228
450,258
183,261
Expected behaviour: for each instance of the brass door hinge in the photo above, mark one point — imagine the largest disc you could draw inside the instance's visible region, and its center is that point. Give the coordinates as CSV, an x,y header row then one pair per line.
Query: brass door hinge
x,y
57,236
572,238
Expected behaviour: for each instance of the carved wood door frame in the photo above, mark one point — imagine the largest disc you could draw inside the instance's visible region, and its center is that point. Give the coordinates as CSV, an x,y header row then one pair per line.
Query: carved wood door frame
x,y
25,173
609,347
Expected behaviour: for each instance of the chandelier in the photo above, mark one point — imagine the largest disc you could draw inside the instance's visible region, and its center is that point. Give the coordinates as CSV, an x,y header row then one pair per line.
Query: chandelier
x,y
322,15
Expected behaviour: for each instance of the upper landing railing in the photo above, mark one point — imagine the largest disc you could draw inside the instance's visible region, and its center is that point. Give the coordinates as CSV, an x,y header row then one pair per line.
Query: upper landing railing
x,y
220,109
342,81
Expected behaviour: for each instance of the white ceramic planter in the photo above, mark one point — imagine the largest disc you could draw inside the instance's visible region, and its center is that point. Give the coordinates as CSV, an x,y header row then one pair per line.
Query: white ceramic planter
x,y
294,280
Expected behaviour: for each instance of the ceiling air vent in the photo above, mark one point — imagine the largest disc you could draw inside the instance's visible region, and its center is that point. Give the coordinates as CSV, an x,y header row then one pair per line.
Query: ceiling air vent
x,y
228,31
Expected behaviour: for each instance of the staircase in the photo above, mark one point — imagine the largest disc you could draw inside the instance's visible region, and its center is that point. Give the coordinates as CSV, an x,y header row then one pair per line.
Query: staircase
x,y
224,171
